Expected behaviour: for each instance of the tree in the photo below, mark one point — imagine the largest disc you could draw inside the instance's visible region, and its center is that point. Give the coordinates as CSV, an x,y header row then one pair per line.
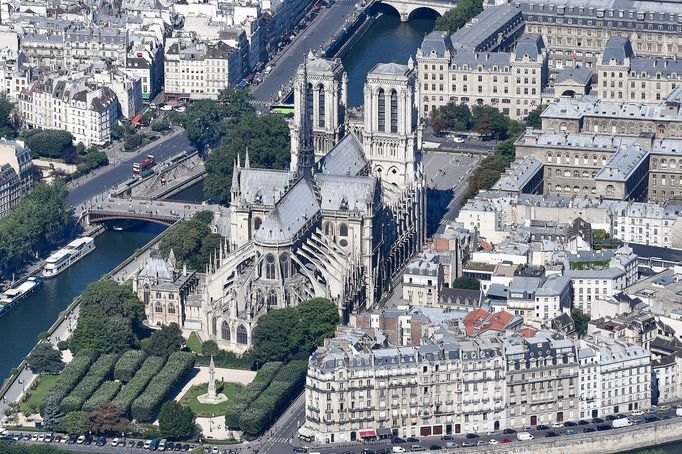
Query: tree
x,y
8,129
209,348
107,298
506,149
160,125
267,139
50,413
457,17
107,419
438,124
12,412
457,117
272,336
468,283
50,143
163,342
580,319
74,423
192,241
103,334
318,319
44,359
176,421
534,119
133,142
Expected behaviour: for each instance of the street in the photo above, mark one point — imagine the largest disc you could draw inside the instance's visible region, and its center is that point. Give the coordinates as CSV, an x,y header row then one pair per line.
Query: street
x,y
115,173
318,32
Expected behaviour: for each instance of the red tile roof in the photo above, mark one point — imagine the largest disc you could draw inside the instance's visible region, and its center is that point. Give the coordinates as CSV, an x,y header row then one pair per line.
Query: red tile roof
x,y
480,320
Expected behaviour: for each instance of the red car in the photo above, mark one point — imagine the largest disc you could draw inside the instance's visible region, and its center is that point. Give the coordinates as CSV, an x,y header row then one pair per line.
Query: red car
x,y
506,440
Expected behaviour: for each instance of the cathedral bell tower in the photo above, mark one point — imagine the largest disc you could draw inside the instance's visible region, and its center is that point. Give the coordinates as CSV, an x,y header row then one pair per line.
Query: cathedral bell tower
x,y
391,130
321,88
302,153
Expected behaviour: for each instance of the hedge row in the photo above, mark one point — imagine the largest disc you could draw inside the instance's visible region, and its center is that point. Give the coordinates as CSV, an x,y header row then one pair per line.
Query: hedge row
x,y
128,365
237,406
147,405
100,371
105,393
129,392
70,376
286,385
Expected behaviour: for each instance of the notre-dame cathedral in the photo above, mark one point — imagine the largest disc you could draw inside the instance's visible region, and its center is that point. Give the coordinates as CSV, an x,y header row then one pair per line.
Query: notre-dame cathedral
x,y
340,224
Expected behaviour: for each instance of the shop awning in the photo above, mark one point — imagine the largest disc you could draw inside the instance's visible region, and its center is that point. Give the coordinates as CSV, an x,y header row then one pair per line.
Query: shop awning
x,y
384,432
306,432
368,433
136,119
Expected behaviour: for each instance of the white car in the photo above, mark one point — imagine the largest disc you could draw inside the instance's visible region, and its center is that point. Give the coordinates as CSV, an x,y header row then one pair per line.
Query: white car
x,y
557,425
493,442
637,413
41,438
397,449
458,139
80,439
114,442
147,444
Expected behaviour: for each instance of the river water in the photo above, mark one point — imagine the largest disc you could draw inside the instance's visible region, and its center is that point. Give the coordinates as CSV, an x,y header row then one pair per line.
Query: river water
x,y
388,40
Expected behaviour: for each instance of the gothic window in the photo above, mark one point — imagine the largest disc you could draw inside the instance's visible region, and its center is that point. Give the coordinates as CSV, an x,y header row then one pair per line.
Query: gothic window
x,y
158,307
214,330
610,190
146,294
272,299
321,107
171,308
284,265
257,223
269,266
328,229
242,338
343,233
309,103
382,111
225,331
394,111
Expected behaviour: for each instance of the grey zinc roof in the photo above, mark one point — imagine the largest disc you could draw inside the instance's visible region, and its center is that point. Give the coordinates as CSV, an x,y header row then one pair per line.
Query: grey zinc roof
x,y
530,45
320,64
577,74
345,193
652,66
158,268
262,185
519,176
622,164
486,59
436,42
618,49
390,68
346,158
486,24
290,214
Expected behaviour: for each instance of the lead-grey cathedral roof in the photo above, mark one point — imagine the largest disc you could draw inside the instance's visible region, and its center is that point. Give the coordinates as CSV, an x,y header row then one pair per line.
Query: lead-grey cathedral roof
x,y
390,68
618,49
158,268
289,215
262,186
346,158
344,193
437,42
320,64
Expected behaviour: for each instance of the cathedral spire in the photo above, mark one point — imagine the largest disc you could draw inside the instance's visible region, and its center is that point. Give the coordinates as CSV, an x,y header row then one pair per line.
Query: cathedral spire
x,y
235,177
247,164
239,161
306,154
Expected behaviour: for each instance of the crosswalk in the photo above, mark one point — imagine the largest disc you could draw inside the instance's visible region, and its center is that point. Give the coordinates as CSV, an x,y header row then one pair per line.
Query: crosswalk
x,y
278,440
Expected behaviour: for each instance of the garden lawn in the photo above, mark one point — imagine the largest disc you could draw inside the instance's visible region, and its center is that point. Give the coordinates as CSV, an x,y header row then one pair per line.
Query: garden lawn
x,y
194,343
199,409
46,382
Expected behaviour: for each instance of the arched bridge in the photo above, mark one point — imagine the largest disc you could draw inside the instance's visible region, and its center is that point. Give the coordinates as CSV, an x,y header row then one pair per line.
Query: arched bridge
x,y
159,212
406,8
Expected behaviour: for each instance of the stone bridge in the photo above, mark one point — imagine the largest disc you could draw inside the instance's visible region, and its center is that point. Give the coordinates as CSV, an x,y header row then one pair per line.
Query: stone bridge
x,y
156,211
406,8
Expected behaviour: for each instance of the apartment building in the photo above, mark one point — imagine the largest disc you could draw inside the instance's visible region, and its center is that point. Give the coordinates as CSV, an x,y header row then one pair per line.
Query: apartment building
x,y
87,44
457,381
450,71
199,70
126,87
73,103
145,61
537,299
577,32
423,280
16,173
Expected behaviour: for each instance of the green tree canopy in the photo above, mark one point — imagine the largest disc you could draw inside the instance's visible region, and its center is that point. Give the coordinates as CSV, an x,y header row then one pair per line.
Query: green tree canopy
x,y
103,334
534,120
51,414
457,17
50,143
8,129
163,342
38,223
468,283
580,319
176,421
74,423
282,334
191,241
44,359
107,298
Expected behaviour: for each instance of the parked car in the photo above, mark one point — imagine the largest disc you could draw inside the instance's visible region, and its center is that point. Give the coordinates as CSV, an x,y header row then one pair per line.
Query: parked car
x,y
88,440
468,444
506,440
651,418
434,447
551,434
664,408
452,444
582,422
604,427
589,429
446,438
102,441
397,440
542,427
413,440
557,425
570,424
397,449
597,420
471,436
417,448
493,441
509,431
72,439
651,410
80,440
637,412
571,432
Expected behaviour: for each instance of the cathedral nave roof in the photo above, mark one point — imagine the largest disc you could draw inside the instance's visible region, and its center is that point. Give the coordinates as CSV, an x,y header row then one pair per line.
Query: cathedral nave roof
x,y
345,193
262,186
346,158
